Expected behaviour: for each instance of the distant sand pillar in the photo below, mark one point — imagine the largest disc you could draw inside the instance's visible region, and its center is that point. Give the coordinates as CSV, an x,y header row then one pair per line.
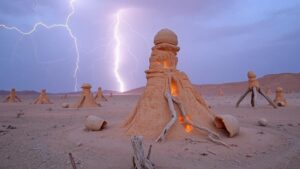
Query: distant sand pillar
x,y
42,98
253,86
99,95
12,97
279,97
86,99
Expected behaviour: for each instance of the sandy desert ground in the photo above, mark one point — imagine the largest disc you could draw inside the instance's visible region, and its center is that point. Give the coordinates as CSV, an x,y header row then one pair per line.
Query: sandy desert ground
x,y
41,136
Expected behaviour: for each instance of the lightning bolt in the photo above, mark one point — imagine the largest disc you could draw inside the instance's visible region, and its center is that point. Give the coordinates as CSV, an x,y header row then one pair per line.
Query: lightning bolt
x,y
64,26
117,52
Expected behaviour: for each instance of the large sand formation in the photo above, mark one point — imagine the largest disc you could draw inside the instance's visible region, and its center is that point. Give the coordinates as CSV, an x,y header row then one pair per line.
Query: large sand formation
x,y
169,90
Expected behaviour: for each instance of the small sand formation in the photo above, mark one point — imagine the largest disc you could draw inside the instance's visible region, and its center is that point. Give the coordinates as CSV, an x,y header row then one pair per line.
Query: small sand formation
x,y
253,86
169,90
279,97
268,91
86,98
221,93
99,95
12,97
42,98
65,96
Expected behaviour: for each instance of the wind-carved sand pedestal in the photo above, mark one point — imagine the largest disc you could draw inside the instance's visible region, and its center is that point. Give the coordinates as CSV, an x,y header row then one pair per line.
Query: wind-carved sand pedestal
x,y
99,95
221,93
42,98
12,97
86,98
253,86
170,107
279,97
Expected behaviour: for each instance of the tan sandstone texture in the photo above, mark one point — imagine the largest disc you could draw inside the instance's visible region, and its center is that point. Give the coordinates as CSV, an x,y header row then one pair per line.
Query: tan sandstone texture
x,y
12,97
152,114
99,95
86,98
279,97
42,98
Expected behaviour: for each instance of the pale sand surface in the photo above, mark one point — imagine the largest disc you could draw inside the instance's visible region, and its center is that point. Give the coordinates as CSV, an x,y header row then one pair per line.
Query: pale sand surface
x,y
43,137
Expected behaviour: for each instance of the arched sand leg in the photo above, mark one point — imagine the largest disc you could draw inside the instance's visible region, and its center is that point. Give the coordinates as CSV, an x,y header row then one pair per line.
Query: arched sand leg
x,y
267,98
242,97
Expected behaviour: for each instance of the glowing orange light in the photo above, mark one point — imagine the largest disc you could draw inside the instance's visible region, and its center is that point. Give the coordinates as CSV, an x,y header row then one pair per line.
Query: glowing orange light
x,y
181,120
174,91
188,128
188,117
165,64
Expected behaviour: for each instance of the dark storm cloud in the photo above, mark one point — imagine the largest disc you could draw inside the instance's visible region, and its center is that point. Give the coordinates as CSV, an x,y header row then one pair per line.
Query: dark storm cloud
x,y
266,23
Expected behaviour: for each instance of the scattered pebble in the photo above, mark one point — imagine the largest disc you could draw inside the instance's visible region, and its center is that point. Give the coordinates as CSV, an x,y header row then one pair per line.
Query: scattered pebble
x,y
291,125
65,105
11,127
19,115
79,144
204,154
3,132
260,132
248,155
262,122
49,109
55,126
233,145
186,149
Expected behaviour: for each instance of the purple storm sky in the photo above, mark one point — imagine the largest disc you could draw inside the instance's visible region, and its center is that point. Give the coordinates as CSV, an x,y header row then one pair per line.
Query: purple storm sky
x,y
219,40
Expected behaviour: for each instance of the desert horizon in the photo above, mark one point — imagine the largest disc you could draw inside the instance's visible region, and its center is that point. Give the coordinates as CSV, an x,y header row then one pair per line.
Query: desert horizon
x,y
288,81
